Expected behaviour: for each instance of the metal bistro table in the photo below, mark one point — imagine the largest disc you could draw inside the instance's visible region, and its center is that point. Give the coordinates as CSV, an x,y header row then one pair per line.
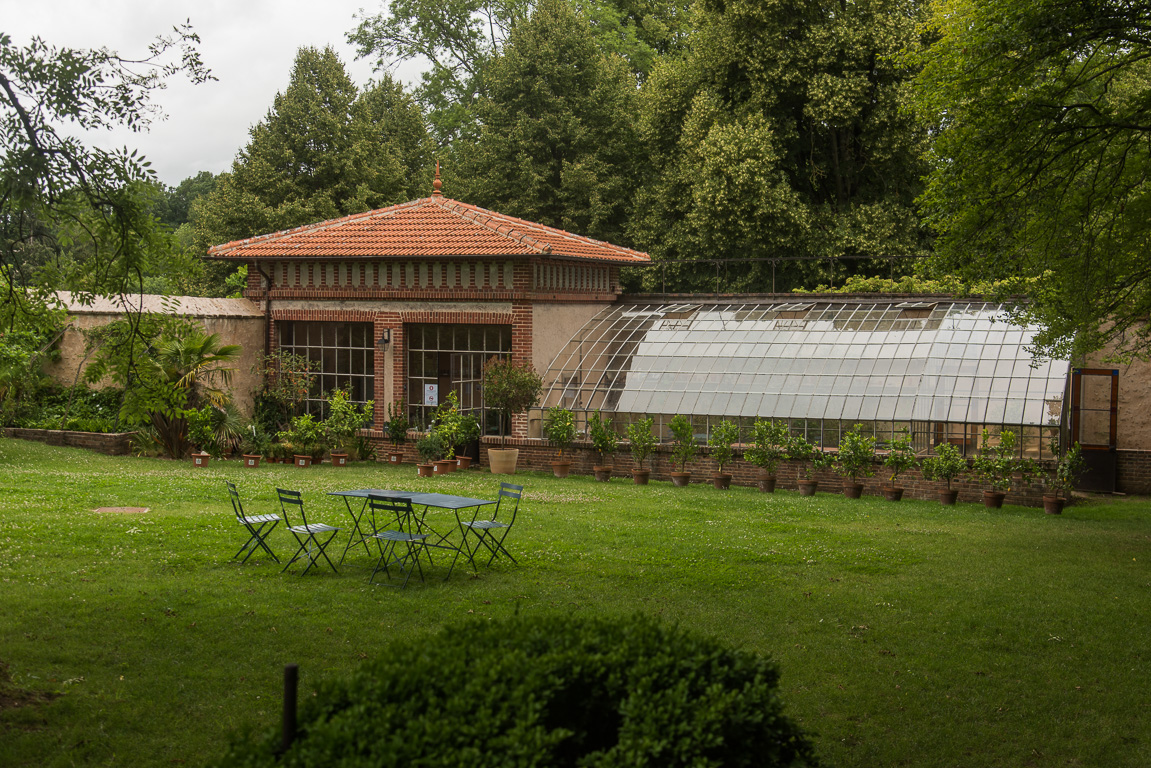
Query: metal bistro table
x,y
438,539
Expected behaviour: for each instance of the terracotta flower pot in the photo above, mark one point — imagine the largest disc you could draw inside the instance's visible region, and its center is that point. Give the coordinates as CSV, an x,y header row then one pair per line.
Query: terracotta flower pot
x,y
1053,505
892,493
200,459
852,490
302,461
640,476
993,499
766,483
251,460
502,461
561,468
807,487
721,482
463,462
443,466
425,470
947,498
680,478
603,474
395,457
339,459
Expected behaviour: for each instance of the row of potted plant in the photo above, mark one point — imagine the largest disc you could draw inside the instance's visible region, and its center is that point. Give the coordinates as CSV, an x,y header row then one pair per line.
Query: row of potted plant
x,y
450,429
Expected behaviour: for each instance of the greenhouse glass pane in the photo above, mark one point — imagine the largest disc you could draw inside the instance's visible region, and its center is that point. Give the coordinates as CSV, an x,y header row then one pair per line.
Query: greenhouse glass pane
x,y
1013,413
995,410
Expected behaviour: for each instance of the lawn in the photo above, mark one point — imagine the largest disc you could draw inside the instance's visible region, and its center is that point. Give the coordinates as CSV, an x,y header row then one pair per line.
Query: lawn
x,y
907,634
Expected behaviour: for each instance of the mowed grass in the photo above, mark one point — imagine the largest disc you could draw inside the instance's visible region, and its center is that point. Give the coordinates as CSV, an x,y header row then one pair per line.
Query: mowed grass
x,y
907,634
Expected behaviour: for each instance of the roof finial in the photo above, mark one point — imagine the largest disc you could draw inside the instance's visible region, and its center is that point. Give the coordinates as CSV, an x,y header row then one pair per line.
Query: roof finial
x,y
437,184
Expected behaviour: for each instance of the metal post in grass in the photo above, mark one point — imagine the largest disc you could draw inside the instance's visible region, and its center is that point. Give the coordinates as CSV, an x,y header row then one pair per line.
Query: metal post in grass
x,y
291,680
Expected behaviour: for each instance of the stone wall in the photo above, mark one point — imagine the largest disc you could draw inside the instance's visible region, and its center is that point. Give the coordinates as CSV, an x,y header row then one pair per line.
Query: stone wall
x,y
112,443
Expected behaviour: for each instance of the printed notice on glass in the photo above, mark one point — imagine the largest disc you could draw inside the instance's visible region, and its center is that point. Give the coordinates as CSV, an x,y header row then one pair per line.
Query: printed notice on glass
x,y
431,394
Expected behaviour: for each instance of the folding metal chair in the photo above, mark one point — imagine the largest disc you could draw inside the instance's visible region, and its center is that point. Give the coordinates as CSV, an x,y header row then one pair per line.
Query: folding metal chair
x,y
492,532
256,525
396,525
307,534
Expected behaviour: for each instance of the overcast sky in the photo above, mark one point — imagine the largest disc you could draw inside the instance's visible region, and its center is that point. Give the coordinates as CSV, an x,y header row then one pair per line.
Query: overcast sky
x,y
249,46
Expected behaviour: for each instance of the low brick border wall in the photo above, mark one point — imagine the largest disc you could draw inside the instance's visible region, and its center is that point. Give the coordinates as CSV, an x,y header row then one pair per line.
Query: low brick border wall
x,y
536,454
111,443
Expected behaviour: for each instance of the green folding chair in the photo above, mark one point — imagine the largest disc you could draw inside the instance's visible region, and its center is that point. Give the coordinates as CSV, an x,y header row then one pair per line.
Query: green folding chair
x,y
258,526
492,532
309,535
394,522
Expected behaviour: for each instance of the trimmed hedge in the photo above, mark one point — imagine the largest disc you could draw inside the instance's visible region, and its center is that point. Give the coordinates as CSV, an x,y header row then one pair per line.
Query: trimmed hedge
x,y
546,692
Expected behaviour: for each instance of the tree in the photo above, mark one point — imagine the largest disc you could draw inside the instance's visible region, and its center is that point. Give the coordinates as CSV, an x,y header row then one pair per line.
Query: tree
x,y
557,144
73,216
324,150
1043,112
781,133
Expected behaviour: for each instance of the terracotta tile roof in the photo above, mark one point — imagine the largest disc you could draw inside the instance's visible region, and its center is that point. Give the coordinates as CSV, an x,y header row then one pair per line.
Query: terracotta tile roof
x,y
431,226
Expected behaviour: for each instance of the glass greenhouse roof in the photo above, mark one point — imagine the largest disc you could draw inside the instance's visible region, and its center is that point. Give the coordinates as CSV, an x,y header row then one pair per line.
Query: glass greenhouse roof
x,y
898,360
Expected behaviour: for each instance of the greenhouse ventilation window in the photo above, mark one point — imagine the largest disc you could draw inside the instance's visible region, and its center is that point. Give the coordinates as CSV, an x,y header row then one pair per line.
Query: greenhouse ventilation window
x,y
944,369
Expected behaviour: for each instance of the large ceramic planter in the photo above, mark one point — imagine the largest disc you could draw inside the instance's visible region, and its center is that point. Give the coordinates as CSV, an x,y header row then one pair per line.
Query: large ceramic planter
x,y
640,476
680,478
443,466
721,482
424,470
852,490
251,460
766,482
1053,505
892,493
502,461
302,461
807,487
395,457
603,474
339,459
463,462
561,468
947,498
200,459
993,499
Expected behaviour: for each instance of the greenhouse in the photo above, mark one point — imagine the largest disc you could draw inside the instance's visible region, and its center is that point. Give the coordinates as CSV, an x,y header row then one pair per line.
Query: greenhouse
x,y
945,369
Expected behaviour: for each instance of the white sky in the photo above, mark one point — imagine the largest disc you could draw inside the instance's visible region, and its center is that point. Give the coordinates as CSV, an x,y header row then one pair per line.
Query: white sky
x,y
248,45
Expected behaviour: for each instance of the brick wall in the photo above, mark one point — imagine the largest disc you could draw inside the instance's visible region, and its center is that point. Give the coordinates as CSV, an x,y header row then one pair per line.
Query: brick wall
x,y
1133,472
112,443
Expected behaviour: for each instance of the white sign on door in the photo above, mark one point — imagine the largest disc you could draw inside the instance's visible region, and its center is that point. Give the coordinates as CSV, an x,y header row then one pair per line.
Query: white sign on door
x,y
431,394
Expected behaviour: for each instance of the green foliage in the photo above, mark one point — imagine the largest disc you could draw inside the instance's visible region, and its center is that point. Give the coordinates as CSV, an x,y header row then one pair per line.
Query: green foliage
x,y
23,352
900,455
1066,469
560,428
1040,111
345,419
770,444
200,432
255,441
947,464
304,436
996,464
642,439
603,437
683,441
449,424
856,456
431,447
723,435
510,388
548,691
808,457
397,426
286,379
324,150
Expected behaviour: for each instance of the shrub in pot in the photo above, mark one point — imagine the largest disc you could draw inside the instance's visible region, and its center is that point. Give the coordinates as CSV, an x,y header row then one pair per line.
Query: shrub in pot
x,y
769,447
469,430
448,424
345,420
808,459
560,431
722,437
947,464
683,448
201,435
397,429
641,442
856,459
255,444
1061,477
305,438
509,388
900,458
430,447
605,441
997,465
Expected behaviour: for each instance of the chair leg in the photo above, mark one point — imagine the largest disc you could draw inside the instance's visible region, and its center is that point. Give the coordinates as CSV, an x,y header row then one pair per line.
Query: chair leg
x,y
256,539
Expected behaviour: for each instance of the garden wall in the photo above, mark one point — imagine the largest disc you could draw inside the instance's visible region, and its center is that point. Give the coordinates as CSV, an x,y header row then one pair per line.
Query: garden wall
x,y
112,443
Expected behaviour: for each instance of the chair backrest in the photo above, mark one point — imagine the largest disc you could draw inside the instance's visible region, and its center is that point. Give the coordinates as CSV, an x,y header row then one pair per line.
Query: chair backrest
x,y
391,512
291,499
510,493
234,495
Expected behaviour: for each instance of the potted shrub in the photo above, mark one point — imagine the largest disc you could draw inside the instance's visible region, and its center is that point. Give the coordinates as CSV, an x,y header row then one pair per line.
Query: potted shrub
x,y
1061,477
201,436
642,443
469,429
447,424
900,458
997,465
560,431
722,437
769,447
430,447
604,441
808,458
397,429
254,445
947,464
683,448
855,459
305,438
509,388
345,420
